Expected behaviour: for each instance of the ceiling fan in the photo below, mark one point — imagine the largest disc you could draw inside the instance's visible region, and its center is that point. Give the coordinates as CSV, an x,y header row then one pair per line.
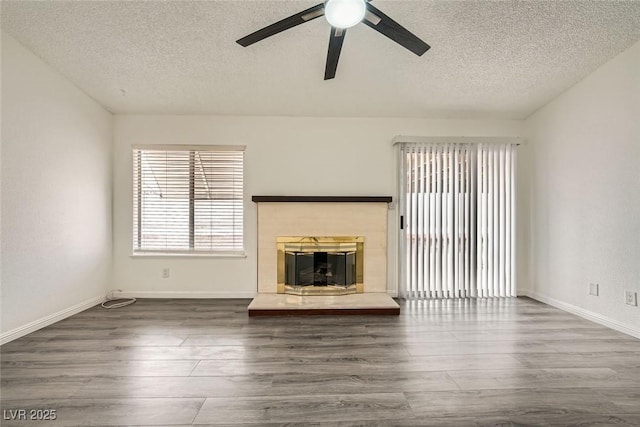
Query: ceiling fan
x,y
342,14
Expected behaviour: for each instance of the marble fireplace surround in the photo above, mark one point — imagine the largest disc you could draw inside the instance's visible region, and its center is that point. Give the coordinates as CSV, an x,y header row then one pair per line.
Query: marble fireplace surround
x,y
323,216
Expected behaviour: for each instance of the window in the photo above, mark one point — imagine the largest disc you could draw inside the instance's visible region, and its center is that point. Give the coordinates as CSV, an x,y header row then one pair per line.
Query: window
x,y
188,199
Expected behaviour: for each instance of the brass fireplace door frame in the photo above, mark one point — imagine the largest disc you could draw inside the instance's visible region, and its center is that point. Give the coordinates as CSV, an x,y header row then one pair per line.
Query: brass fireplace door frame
x,y
320,244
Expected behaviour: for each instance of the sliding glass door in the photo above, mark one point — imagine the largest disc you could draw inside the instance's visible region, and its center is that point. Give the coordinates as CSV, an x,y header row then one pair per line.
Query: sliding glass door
x,y
457,217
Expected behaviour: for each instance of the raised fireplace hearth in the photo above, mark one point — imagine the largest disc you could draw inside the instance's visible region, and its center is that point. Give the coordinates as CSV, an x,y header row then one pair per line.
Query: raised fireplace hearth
x,y
320,265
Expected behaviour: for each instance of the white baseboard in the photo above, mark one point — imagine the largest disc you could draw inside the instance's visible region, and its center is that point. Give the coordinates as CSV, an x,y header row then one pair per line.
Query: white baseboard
x,y
48,320
184,294
586,314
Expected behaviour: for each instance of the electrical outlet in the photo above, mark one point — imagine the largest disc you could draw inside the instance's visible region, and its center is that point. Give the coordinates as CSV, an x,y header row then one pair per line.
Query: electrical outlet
x,y
166,273
593,289
631,298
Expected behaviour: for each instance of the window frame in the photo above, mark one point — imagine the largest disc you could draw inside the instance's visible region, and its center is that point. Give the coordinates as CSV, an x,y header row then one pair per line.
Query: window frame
x,y
189,253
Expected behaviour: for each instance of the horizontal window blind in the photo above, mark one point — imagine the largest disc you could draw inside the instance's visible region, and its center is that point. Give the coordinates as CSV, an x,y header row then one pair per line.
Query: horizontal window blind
x,y
188,200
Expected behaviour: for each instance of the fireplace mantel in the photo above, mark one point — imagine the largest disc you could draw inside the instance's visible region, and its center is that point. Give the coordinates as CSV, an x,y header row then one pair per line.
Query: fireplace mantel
x,y
321,199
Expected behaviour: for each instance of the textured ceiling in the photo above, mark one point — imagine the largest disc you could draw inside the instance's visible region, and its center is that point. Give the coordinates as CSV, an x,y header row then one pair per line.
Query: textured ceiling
x,y
502,59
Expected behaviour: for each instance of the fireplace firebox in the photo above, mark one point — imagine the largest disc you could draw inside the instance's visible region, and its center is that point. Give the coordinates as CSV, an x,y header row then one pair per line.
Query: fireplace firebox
x,y
320,268
320,265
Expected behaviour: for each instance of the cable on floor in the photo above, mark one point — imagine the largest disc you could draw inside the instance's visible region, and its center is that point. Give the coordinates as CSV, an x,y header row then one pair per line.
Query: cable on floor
x,y
112,302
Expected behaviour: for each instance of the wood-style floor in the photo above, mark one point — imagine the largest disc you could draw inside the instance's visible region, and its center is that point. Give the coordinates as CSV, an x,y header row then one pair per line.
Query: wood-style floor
x,y
511,362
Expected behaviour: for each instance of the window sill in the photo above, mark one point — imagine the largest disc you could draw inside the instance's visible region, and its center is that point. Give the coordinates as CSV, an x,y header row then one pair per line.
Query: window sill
x,y
187,255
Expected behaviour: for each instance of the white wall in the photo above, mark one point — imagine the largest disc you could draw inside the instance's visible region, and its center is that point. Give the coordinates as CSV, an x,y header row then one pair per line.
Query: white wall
x,y
284,156
585,194
56,195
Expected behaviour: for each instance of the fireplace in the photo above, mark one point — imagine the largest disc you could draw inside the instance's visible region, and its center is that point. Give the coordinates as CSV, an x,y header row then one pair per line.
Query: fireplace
x,y
320,265
304,216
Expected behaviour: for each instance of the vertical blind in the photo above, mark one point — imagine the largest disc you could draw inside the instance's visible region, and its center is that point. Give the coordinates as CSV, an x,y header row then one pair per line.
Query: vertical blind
x,y
188,199
458,215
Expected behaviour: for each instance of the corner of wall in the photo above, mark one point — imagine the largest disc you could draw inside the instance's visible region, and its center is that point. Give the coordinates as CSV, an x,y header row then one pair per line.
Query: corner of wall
x,y
584,220
56,214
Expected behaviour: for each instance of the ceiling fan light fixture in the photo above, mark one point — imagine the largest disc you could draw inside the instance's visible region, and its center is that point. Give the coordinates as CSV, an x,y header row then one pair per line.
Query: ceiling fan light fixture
x,y
345,13
342,14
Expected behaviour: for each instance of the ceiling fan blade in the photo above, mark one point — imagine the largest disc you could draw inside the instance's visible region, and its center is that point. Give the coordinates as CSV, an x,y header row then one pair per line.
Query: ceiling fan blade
x,y
396,32
290,22
335,46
